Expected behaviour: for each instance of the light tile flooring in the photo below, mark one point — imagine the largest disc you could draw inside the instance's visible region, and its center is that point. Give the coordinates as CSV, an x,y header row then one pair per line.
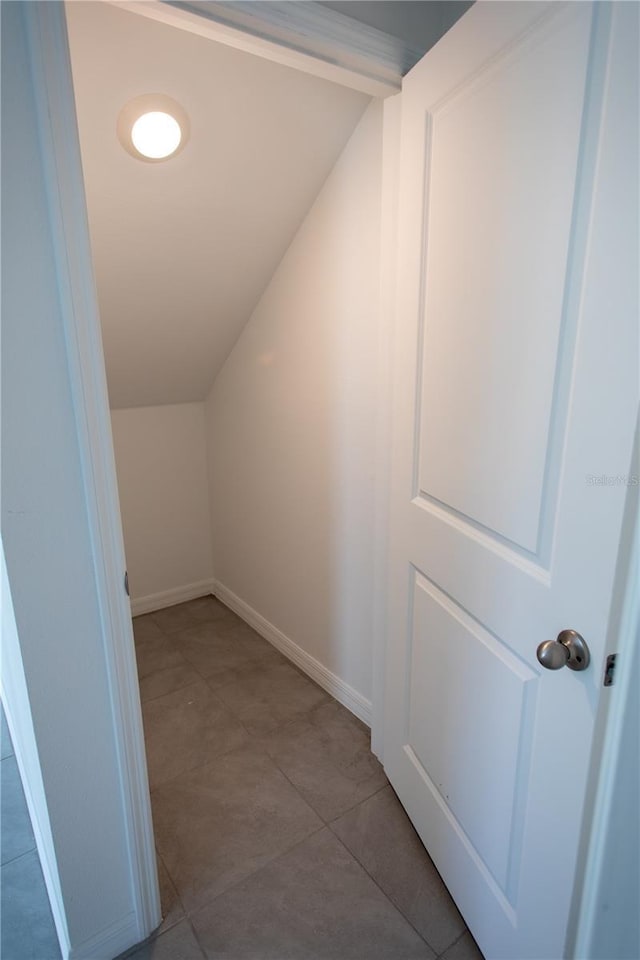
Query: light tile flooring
x,y
278,835
26,925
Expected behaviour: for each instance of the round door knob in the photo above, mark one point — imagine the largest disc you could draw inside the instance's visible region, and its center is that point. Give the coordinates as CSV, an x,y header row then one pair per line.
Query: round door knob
x,y
552,654
568,650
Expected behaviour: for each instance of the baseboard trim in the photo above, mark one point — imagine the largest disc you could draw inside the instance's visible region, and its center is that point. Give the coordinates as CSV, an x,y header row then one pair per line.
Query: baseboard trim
x,y
343,692
167,598
110,942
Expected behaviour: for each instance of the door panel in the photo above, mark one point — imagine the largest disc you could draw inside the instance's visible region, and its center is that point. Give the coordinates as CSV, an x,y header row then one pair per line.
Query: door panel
x,y
516,178
452,654
501,159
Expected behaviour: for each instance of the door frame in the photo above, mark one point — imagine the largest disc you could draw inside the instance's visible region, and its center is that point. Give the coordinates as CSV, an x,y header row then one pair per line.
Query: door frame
x,y
62,167
612,769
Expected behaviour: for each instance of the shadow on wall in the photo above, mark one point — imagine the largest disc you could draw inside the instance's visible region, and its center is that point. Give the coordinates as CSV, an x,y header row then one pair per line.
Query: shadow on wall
x,y
291,424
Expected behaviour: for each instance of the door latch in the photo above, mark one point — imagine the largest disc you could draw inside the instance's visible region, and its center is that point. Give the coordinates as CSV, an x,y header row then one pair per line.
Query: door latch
x,y
609,670
126,582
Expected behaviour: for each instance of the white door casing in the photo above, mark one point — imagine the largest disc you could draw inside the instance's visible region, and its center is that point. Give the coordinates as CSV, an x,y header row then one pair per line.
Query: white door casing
x,y
515,398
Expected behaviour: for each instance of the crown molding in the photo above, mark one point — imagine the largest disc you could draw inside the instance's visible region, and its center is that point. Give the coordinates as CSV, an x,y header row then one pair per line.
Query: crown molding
x,y
303,35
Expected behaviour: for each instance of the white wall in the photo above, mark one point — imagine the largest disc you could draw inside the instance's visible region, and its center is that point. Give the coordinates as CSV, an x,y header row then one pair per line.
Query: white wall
x,y
291,428
50,558
164,499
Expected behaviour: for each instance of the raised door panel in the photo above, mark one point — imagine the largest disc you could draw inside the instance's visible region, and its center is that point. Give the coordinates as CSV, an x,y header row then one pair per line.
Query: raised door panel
x,y
462,681
501,158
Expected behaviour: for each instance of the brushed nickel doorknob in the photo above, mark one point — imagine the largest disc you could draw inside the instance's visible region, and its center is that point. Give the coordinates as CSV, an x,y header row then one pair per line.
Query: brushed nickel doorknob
x,y
568,650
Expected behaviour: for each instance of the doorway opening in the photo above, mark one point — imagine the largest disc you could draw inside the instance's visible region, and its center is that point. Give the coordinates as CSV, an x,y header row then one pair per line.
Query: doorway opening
x,y
238,286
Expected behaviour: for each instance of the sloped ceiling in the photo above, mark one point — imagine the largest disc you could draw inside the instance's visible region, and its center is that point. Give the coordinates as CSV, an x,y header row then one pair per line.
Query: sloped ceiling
x,y
183,249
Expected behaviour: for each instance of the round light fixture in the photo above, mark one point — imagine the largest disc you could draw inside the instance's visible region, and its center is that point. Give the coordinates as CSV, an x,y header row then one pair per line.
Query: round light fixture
x,y
156,135
153,127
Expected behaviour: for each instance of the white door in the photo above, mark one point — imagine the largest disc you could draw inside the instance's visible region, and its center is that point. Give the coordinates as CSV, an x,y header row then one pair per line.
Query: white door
x,y
514,409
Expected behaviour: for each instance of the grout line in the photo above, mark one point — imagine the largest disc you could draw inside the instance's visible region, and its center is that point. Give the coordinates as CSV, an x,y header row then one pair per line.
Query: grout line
x,y
385,894
278,856
455,940
195,937
175,890
357,804
197,766
198,671
183,686
255,741
304,717
453,943
204,763
297,790
19,856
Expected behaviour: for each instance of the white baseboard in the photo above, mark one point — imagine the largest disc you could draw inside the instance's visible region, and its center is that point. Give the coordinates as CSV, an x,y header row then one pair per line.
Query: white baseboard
x,y
343,692
167,598
110,942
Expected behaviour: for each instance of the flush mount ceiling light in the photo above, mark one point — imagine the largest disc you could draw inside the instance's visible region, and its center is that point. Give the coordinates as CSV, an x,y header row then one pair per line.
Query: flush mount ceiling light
x,y
153,127
156,135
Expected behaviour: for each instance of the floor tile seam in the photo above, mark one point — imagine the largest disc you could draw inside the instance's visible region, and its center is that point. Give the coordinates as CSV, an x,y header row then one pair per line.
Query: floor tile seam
x,y
279,731
436,956
325,820
197,766
19,856
214,691
234,710
168,634
165,633
453,942
297,789
193,666
7,757
189,913
196,937
256,740
229,630
169,692
397,906
235,713
175,889
303,717
207,679
358,803
201,679
167,927
251,662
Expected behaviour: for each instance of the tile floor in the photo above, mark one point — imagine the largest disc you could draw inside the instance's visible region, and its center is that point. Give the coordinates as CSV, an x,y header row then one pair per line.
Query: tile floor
x,y
27,931
278,835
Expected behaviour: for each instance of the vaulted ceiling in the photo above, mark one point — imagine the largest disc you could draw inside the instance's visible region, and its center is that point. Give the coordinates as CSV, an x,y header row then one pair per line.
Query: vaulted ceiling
x,y
183,249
